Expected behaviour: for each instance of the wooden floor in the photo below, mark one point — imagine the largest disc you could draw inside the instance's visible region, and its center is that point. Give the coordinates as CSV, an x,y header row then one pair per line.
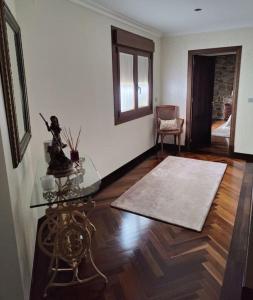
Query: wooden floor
x,y
217,123
219,145
150,260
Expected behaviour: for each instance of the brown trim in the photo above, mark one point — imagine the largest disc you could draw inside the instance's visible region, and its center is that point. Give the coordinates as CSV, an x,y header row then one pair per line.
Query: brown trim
x,y
18,144
248,277
115,76
247,294
235,270
138,50
235,99
131,40
107,180
5,78
135,78
247,157
235,49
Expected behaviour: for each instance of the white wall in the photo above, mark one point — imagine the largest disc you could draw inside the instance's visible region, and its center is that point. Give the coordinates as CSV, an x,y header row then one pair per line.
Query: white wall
x,y
67,51
16,196
10,278
174,62
67,54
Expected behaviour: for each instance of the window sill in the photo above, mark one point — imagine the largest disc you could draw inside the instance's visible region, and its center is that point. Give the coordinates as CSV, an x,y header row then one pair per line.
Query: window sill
x,y
132,115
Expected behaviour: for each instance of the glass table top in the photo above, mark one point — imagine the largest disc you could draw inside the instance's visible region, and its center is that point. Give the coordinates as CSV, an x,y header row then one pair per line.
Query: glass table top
x,y
83,182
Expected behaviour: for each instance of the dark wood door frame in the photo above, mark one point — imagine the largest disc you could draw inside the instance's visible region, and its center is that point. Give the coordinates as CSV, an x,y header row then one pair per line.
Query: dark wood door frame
x,y
202,93
237,50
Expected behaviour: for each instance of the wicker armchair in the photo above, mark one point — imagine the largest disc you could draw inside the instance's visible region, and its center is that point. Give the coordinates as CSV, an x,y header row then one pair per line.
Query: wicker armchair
x,y
168,112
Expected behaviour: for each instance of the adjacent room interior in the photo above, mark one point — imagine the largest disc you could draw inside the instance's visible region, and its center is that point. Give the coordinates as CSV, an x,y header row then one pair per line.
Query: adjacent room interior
x,y
223,99
125,150
212,101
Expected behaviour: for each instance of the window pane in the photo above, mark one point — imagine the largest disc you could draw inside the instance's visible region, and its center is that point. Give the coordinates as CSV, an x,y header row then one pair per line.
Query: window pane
x,y
143,84
126,82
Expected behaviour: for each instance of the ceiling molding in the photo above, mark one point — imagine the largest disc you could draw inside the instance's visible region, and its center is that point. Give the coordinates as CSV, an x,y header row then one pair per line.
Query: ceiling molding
x,y
195,32
116,16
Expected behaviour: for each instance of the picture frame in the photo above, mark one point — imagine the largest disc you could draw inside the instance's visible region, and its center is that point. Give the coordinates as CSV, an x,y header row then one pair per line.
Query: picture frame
x,y
14,84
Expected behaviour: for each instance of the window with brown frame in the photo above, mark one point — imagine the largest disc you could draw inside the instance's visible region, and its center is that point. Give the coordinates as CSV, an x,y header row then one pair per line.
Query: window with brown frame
x,y
132,60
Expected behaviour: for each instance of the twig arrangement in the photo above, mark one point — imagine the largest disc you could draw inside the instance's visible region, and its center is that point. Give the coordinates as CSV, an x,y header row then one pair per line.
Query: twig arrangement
x,y
67,135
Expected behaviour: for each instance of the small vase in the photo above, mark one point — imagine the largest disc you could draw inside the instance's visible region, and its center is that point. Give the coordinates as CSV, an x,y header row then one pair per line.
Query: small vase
x,y
74,155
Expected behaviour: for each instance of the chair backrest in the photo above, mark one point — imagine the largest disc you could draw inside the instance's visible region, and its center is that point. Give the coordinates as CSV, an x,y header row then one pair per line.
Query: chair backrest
x,y
166,112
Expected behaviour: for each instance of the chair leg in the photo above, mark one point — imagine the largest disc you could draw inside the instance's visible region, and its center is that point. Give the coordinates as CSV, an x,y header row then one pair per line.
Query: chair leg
x,y
175,140
162,136
157,138
179,142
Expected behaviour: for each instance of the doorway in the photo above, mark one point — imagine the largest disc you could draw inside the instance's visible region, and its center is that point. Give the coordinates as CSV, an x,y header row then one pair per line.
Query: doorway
x,y
213,79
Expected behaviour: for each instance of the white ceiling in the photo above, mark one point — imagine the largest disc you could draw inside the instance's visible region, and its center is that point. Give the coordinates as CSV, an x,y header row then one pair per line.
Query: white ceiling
x,y
177,17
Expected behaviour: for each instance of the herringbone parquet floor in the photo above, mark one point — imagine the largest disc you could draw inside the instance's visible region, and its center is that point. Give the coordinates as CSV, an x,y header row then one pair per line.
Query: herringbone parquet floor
x,y
149,260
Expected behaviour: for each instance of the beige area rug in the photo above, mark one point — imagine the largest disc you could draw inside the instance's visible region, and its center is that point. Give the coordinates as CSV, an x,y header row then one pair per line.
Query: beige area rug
x,y
178,191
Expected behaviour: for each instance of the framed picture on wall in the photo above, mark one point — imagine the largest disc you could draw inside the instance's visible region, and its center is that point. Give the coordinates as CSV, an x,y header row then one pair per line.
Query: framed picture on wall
x,y
14,84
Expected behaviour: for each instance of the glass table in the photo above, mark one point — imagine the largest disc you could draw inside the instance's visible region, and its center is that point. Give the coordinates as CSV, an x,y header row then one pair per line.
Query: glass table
x,y
66,233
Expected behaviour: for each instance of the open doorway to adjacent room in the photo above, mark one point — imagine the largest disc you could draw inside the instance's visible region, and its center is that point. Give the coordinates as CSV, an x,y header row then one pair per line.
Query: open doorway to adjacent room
x,y
213,79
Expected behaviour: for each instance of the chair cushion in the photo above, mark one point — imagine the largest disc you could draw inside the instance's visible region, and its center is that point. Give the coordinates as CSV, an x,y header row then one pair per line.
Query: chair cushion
x,y
168,124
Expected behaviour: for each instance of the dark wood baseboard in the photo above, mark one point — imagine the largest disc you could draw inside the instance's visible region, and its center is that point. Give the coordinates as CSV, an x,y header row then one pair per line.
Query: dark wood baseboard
x,y
234,278
171,147
107,180
247,157
247,294
230,153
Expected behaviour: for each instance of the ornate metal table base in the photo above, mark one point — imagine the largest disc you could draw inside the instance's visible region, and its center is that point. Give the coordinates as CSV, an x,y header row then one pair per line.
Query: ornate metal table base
x,y
66,236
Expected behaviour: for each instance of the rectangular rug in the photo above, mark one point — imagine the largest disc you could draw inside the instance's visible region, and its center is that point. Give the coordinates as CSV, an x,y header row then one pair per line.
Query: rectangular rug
x,y
179,191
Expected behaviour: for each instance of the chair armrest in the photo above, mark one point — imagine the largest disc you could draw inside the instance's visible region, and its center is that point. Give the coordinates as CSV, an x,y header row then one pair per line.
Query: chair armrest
x,y
180,123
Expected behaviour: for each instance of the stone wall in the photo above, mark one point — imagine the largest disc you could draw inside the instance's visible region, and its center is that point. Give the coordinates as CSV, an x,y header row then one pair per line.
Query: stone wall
x,y
223,83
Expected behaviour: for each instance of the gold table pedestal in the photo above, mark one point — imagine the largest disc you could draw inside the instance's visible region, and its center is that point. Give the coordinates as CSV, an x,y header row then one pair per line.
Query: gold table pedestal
x,y
66,235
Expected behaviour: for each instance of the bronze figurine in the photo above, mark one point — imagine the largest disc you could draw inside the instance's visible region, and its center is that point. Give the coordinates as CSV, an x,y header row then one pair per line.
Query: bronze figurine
x,y
59,164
